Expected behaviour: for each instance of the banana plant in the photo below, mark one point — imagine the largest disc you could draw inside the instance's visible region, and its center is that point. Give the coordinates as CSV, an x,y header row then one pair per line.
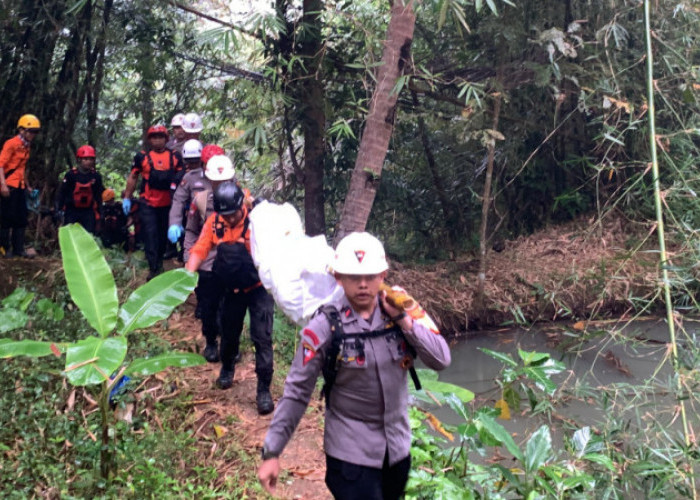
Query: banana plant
x,y
99,358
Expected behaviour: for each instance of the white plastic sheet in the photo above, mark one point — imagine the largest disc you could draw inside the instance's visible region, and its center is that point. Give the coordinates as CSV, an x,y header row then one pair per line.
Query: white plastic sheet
x,y
292,266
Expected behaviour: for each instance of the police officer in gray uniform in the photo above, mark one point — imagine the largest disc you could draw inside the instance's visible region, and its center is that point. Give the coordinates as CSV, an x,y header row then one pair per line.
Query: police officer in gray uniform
x,y
191,183
367,437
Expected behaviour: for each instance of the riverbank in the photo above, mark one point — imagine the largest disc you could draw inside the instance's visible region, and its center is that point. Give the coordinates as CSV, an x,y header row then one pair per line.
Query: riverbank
x,y
582,270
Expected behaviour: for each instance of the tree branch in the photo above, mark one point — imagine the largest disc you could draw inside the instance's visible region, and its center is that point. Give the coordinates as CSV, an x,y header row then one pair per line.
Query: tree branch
x,y
214,19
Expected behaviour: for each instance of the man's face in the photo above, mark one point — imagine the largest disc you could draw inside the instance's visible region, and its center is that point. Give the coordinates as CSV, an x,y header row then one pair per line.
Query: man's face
x,y
234,218
192,163
157,142
191,135
179,133
360,289
28,134
86,164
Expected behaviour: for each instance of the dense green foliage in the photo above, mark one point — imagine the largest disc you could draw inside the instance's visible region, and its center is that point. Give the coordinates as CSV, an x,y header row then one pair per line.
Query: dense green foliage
x,y
570,139
571,131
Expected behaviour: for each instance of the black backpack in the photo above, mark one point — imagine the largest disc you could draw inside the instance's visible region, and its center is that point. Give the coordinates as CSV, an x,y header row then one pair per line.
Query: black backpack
x,y
233,265
161,179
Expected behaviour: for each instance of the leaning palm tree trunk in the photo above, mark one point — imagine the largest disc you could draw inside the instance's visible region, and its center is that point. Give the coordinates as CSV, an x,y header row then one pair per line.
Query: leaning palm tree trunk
x,y
380,121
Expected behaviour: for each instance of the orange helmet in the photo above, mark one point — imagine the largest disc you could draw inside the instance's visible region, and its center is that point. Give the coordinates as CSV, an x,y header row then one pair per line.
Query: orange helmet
x,y
107,195
85,151
157,130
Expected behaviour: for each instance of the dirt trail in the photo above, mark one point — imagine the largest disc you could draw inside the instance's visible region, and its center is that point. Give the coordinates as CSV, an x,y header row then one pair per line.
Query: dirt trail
x,y
226,421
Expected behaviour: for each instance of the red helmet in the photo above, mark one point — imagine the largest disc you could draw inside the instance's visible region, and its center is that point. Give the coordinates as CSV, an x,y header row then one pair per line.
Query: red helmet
x,y
157,130
211,150
85,151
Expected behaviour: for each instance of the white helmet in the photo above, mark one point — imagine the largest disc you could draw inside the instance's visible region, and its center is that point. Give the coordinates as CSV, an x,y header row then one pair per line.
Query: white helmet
x,y
192,123
219,168
177,120
360,254
192,149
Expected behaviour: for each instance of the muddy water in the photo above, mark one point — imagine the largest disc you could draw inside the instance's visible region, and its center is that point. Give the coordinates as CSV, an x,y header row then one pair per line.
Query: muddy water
x,y
614,355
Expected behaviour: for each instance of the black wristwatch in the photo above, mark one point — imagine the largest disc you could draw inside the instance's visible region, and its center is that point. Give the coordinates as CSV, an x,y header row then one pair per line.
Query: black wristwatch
x,y
267,454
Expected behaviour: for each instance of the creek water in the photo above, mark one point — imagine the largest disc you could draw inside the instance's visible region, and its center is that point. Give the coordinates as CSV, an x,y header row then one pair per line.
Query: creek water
x,y
610,356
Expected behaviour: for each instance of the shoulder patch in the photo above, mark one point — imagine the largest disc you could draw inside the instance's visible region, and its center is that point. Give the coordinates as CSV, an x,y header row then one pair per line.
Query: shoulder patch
x,y
311,336
309,352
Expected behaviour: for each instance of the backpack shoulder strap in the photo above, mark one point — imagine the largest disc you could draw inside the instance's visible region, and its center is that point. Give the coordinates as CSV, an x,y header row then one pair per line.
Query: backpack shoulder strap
x,y
330,365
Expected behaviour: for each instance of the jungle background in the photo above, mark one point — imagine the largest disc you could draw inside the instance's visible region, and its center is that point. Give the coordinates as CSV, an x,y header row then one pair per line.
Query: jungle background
x,y
516,187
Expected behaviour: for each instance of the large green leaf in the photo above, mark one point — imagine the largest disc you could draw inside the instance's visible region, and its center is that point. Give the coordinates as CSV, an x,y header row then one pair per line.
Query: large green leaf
x,y
149,366
34,348
89,278
463,394
500,433
93,360
156,299
541,379
11,319
504,358
538,449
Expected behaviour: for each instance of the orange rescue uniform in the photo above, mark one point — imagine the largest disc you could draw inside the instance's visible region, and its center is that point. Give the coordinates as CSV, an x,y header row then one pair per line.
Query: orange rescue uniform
x,y
208,239
13,159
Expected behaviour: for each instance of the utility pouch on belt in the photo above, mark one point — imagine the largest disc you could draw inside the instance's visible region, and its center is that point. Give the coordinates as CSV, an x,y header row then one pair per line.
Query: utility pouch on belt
x,y
332,361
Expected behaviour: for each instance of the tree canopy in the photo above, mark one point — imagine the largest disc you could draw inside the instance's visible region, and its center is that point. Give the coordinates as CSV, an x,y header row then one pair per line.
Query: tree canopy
x,y
288,90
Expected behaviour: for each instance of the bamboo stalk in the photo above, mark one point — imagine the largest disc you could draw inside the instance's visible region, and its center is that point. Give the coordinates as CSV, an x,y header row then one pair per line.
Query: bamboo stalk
x,y
660,231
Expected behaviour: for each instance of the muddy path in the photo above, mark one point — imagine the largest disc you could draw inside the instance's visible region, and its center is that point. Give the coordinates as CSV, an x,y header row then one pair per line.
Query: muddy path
x,y
225,423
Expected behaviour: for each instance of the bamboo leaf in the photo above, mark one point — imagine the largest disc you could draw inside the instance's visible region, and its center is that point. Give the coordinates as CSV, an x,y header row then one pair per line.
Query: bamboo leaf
x,y
492,6
156,299
89,278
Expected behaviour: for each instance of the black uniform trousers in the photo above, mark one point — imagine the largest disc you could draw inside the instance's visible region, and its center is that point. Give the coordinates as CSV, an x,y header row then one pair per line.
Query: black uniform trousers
x,y
209,294
348,481
13,219
260,305
83,216
154,227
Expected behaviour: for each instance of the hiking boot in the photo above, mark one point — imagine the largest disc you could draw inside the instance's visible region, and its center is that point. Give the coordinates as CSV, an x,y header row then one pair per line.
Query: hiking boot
x,y
264,402
211,353
225,380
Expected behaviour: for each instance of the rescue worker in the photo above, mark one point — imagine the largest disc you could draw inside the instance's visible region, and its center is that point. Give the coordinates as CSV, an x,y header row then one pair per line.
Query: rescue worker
x,y
177,141
113,232
227,229
80,194
192,125
13,183
218,169
367,437
159,166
